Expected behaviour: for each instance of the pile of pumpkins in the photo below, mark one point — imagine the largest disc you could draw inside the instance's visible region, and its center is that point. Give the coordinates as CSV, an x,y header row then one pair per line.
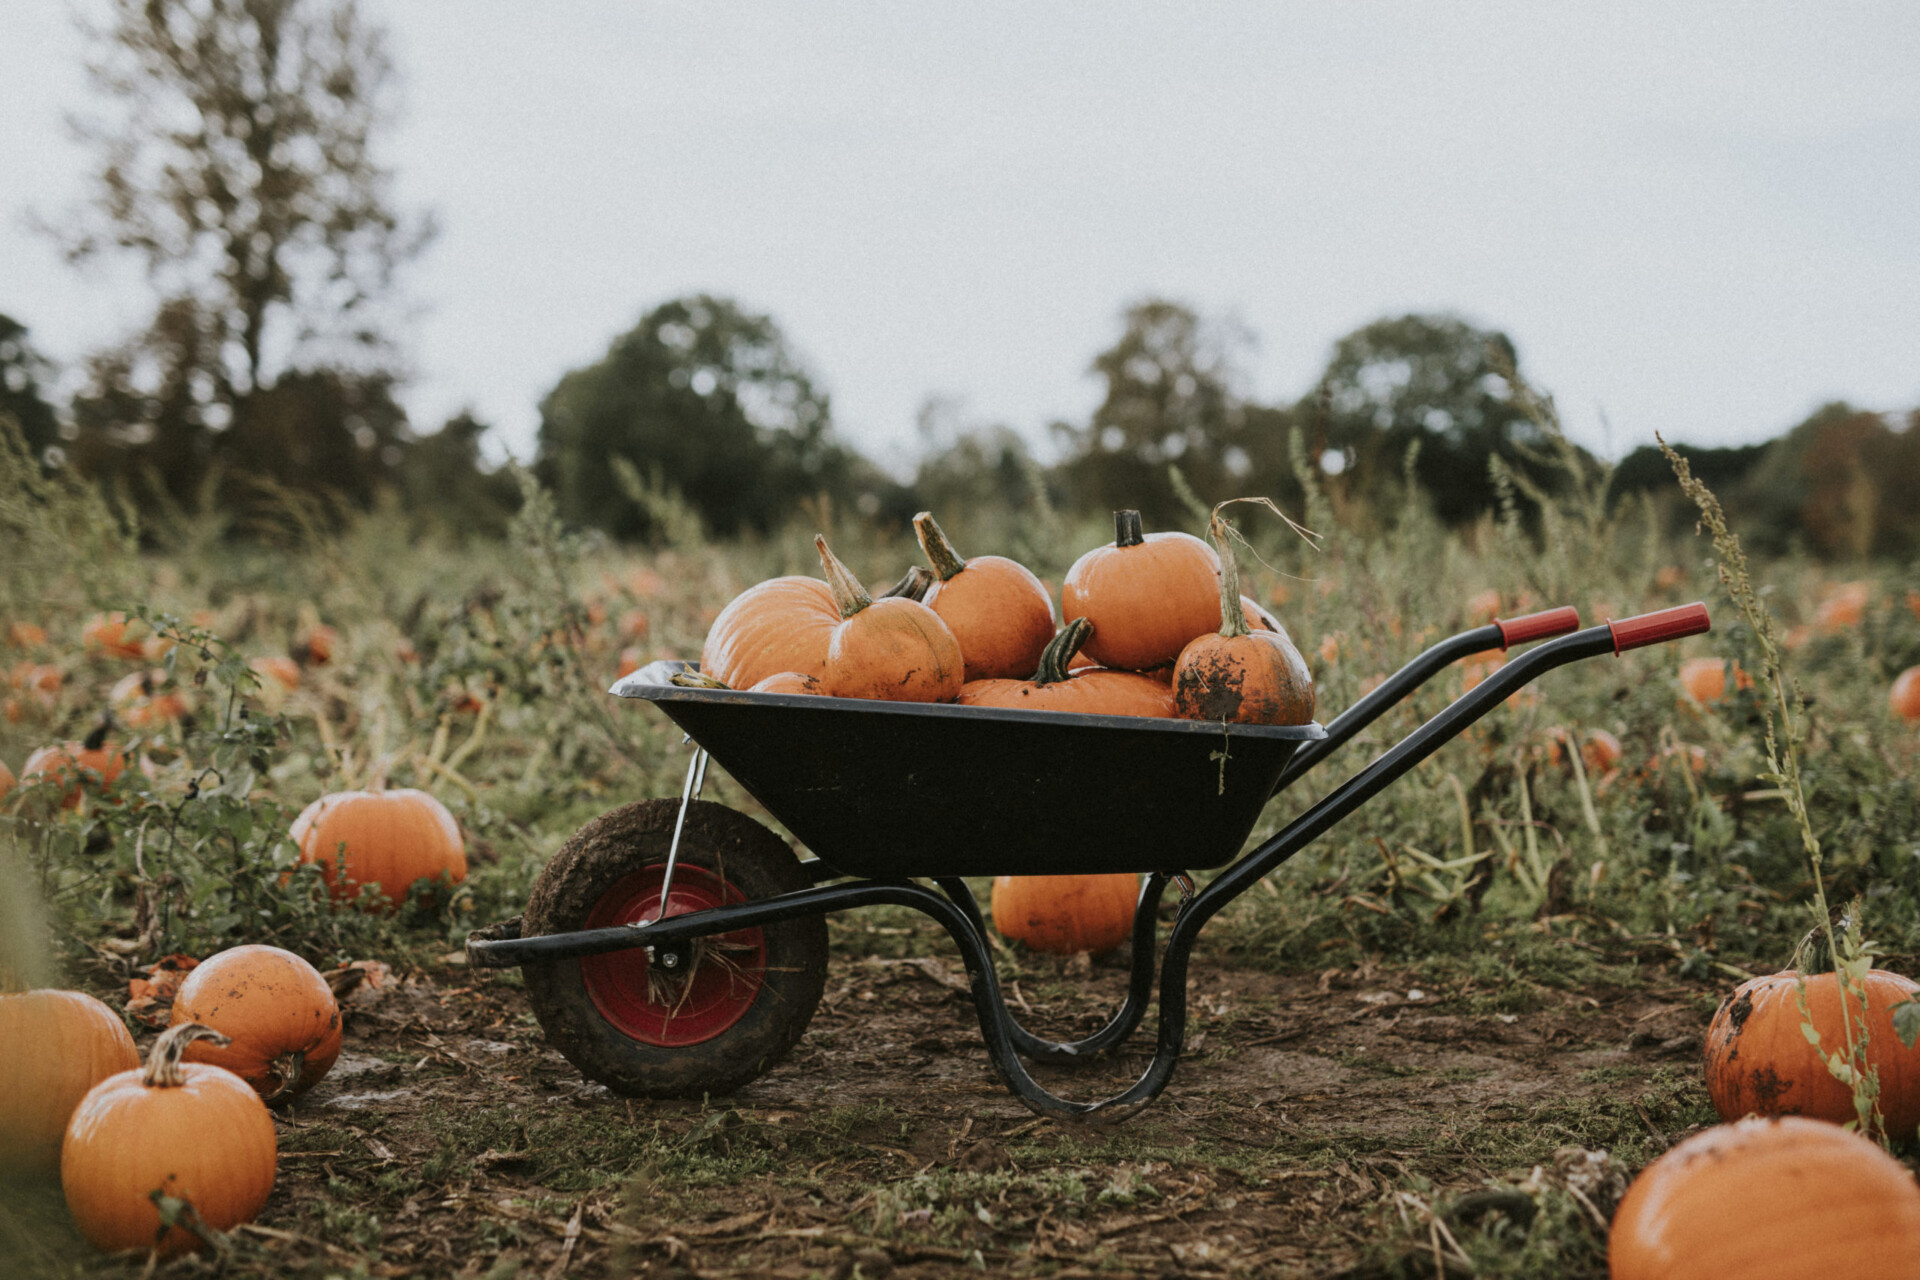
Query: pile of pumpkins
x,y
188,1133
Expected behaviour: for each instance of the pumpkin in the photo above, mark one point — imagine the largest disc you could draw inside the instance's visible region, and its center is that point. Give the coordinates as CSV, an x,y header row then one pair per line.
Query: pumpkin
x,y
54,1046
387,839
1705,679
188,1131
76,766
1064,915
893,648
782,624
1147,595
1769,1199
1055,686
1758,1059
1257,617
27,635
7,780
278,1014
1845,606
995,607
316,647
113,635
143,700
788,682
1239,675
1904,697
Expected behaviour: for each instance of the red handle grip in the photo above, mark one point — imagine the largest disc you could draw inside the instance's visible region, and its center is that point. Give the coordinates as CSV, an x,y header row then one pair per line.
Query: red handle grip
x,y
1538,626
1658,628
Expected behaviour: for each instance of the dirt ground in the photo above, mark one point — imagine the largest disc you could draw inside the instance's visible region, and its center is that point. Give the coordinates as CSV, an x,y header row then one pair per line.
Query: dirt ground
x,y
449,1140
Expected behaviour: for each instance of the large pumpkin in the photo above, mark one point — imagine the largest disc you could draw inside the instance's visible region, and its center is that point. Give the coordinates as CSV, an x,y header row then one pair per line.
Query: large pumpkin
x,y
1769,1199
1147,595
782,624
1056,686
1239,675
54,1046
894,648
1066,914
1758,1060
190,1132
278,1014
387,839
996,608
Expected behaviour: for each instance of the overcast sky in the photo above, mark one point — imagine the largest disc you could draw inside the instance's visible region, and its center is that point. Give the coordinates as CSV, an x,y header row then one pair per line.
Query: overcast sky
x,y
1701,219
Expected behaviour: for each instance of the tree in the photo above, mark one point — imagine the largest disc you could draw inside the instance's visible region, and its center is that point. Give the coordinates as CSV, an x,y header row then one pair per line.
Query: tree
x,y
238,167
23,371
708,398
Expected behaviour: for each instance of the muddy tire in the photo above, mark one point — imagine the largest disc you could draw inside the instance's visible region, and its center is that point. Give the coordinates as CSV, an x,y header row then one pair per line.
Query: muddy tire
x,y
739,1001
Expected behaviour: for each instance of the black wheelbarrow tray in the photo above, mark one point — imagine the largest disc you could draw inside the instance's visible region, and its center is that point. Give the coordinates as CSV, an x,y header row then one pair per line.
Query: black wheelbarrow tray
x,y
676,947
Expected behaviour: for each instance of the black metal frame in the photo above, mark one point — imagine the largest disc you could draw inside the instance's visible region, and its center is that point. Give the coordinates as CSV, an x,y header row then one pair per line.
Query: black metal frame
x,y
955,908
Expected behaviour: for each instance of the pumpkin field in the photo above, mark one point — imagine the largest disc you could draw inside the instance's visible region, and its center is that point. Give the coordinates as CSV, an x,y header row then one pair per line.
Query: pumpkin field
x,y
1443,1040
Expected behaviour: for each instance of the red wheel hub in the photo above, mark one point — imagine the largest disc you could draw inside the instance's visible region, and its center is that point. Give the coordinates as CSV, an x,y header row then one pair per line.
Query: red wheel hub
x,y
723,973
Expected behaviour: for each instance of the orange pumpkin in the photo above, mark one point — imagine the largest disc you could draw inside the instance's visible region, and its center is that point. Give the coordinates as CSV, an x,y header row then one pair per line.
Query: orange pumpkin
x,y
27,635
893,648
190,1132
1904,697
788,682
278,1014
782,624
1758,1060
284,672
76,766
113,635
143,700
54,1046
1258,618
7,780
1845,606
316,647
388,839
1769,1199
1056,686
1147,595
1238,675
1705,679
995,607
1063,915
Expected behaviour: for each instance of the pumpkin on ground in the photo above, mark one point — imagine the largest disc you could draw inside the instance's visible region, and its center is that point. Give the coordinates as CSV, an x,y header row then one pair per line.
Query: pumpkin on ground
x,y
1705,679
1063,915
76,766
278,1014
1844,606
782,624
7,780
1904,697
191,1132
996,608
1769,1199
1758,1060
147,699
1057,686
1239,675
113,635
54,1047
1147,595
388,839
893,648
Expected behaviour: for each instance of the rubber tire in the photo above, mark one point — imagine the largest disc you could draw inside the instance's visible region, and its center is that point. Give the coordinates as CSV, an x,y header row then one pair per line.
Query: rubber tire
x,y
756,862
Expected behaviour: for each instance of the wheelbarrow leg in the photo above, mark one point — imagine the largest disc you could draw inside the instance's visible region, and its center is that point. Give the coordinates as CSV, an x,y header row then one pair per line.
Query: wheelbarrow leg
x,y
1139,981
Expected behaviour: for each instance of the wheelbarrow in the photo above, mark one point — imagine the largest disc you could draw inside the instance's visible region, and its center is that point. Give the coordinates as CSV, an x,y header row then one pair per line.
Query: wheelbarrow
x,y
677,947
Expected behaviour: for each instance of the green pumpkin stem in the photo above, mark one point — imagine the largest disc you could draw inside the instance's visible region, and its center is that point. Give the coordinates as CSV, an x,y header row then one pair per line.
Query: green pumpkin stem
x,y
940,553
848,594
1127,529
913,585
163,1060
1060,651
1233,618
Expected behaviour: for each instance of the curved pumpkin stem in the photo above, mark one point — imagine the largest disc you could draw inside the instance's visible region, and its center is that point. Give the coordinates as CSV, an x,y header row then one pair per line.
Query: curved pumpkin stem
x,y
163,1060
1127,529
848,593
696,680
1059,652
913,585
945,560
1233,618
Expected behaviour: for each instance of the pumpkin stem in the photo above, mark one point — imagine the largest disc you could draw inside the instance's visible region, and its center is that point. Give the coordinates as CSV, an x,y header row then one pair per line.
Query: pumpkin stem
x,y
913,585
163,1060
847,591
696,680
97,737
285,1072
1127,529
1233,618
940,553
1059,652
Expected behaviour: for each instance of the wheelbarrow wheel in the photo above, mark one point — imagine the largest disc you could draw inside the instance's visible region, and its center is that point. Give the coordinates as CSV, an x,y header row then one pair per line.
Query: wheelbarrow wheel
x,y
719,1011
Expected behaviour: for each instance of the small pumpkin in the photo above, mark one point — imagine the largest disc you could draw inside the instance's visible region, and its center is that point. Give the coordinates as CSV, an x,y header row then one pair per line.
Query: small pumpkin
x,y
190,1132
1063,915
1780,1198
1146,594
1904,697
1238,675
54,1047
788,682
278,1014
996,608
27,635
388,839
1844,606
893,648
782,624
7,780
1705,679
113,635
316,645
1056,686
76,766
147,699
1758,1060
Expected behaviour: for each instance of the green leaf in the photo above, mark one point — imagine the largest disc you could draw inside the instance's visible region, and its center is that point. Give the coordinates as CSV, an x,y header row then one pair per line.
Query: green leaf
x,y
1906,1022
